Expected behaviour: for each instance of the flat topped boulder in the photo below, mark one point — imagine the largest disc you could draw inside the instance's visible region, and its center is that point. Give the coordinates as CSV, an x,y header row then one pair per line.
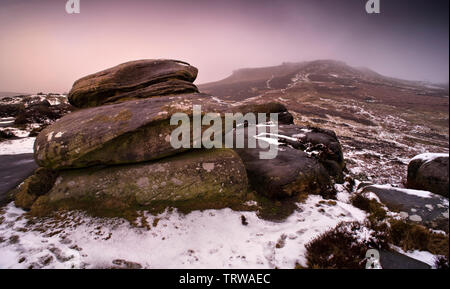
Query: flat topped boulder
x,y
134,79
127,132
419,206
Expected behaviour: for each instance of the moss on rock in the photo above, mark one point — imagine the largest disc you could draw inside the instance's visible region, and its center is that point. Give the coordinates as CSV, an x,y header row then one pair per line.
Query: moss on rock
x,y
205,179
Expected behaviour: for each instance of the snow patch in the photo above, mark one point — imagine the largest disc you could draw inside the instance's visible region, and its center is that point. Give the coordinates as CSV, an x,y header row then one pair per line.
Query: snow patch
x,y
417,193
200,239
427,157
17,146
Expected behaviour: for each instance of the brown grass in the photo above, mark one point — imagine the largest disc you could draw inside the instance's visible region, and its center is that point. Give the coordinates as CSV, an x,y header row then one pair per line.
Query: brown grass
x,y
371,206
416,237
338,248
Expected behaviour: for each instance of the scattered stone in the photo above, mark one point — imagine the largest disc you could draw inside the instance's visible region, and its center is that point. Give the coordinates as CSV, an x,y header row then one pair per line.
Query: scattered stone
x,y
128,132
123,264
429,172
284,116
414,201
415,218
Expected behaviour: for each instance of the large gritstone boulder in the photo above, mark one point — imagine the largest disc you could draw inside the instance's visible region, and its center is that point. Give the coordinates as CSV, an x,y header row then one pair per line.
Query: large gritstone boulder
x,y
194,180
307,161
121,151
429,172
419,206
322,144
129,132
135,79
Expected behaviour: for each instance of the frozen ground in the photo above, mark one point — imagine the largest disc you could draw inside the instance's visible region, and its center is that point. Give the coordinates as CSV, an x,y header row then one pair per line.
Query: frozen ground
x,y
17,146
207,239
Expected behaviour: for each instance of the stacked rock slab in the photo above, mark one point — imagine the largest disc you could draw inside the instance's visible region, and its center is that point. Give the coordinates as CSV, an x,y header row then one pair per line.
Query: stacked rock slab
x,y
198,180
135,79
114,153
126,132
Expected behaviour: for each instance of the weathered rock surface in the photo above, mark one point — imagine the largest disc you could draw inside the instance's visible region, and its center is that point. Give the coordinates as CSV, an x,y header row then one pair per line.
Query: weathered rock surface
x,y
418,206
34,186
193,180
128,132
295,169
395,260
429,172
115,153
323,144
284,116
135,79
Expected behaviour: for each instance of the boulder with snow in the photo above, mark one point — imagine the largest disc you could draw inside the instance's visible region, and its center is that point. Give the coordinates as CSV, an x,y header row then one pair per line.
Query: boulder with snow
x,y
418,206
429,172
307,161
116,153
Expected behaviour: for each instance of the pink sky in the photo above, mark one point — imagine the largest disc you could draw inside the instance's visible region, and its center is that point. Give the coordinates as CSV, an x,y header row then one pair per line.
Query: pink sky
x,y
44,49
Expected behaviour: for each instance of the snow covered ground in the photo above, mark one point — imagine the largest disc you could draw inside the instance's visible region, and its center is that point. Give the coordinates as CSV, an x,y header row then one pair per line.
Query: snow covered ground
x,y
17,146
201,239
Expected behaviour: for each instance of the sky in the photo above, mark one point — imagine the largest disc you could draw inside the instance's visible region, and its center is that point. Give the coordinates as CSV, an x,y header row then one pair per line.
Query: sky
x,y
44,49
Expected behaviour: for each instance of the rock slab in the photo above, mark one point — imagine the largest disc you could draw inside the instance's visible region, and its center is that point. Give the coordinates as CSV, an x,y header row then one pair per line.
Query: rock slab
x,y
134,79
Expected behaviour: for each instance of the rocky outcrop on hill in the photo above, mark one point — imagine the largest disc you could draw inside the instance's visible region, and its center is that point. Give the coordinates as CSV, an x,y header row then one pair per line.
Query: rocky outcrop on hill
x,y
127,132
29,114
115,154
429,172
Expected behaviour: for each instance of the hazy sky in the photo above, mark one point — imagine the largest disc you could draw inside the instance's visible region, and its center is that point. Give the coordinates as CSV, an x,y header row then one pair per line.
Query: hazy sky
x,y
42,48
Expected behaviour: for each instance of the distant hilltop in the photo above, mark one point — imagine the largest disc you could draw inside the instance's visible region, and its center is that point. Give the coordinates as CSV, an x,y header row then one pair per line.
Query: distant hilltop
x,y
281,74
9,94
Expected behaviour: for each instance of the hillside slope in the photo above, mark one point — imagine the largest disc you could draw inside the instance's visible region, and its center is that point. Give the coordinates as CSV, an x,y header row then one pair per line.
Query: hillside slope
x,y
381,121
